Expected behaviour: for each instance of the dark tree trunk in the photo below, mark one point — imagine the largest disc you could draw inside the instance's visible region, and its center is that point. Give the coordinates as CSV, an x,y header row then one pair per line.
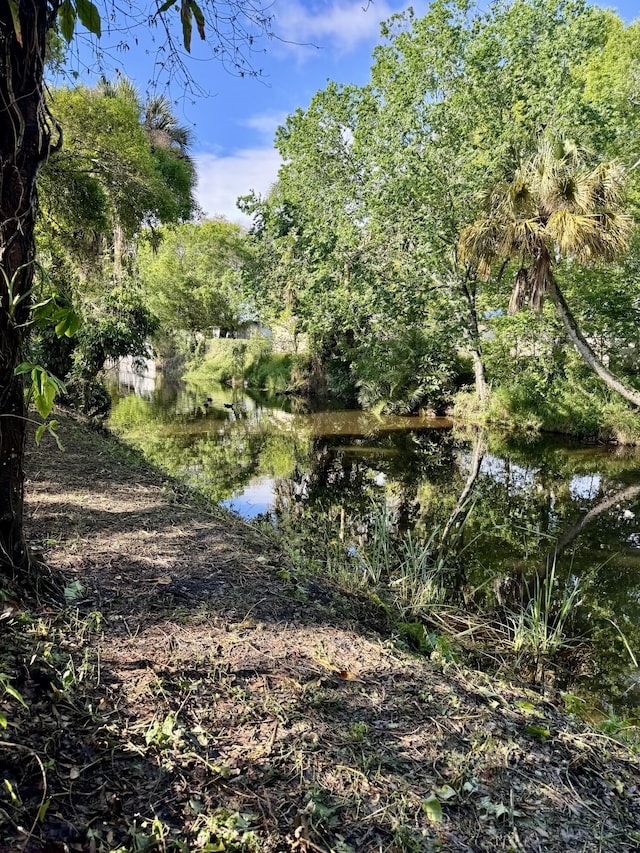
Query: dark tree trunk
x,y
578,340
25,135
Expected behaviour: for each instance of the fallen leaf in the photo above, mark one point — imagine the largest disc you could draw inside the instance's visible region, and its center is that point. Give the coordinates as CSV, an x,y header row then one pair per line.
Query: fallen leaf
x,y
432,808
9,608
347,675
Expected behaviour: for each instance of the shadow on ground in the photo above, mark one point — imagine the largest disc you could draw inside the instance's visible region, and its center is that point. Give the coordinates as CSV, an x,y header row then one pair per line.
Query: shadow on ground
x,y
194,694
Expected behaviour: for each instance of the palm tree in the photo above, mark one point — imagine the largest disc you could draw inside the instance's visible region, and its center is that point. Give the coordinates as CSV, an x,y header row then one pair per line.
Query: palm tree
x,y
162,130
555,207
162,127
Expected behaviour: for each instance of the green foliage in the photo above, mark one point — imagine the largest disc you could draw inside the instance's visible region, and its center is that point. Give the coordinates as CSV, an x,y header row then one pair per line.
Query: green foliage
x,y
119,168
104,170
43,389
120,325
572,404
271,373
251,362
56,312
541,384
82,9
191,275
360,236
10,690
107,180
236,832
53,316
400,373
224,361
416,637
539,628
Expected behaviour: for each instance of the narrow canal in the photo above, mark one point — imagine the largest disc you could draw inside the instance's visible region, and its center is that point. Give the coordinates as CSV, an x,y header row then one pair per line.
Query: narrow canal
x,y
532,506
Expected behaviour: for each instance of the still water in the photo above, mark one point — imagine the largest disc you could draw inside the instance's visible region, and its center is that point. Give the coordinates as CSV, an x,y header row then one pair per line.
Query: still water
x,y
535,502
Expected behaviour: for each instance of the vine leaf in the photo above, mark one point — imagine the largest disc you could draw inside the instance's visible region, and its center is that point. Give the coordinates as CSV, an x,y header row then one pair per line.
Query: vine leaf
x,y
15,16
89,16
44,387
67,18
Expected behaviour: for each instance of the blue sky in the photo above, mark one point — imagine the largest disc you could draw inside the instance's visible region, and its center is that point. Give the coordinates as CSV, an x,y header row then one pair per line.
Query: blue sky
x,y
234,123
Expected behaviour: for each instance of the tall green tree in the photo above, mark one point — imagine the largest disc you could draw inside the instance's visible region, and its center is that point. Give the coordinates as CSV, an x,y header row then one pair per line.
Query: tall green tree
x,y
379,181
191,275
462,93
107,176
349,282
96,195
28,136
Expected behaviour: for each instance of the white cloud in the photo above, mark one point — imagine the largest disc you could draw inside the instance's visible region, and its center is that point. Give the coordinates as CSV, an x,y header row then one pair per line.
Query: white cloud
x,y
342,24
221,179
266,124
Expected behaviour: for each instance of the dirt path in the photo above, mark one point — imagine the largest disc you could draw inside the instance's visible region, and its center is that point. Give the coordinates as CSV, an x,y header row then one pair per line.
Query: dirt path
x,y
196,693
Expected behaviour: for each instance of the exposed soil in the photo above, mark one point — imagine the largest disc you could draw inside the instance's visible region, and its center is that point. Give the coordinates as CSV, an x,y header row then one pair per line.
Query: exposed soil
x,y
197,695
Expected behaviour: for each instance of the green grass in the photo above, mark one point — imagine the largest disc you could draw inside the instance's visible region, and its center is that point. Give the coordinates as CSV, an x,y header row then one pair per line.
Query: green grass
x,y
252,361
538,630
585,409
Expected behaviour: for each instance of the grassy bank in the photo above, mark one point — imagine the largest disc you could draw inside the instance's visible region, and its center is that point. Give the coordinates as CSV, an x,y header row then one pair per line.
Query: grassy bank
x,y
574,411
198,691
250,362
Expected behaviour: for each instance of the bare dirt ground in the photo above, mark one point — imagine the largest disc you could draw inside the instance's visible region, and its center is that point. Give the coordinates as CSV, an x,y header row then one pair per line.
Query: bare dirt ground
x,y
196,695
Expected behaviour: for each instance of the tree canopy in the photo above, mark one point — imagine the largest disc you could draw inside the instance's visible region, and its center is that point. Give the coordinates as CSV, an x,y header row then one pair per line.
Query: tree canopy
x,y
381,182
191,275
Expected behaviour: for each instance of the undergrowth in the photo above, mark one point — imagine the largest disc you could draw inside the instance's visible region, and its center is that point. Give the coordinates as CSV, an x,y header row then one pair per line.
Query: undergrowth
x,y
566,408
251,362
418,585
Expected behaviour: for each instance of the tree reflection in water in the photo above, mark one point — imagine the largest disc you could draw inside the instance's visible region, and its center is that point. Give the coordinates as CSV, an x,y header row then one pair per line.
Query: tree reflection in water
x,y
330,473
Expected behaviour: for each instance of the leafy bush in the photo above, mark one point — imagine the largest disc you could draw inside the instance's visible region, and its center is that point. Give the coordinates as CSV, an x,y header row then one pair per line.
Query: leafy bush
x,y
272,373
402,370
223,361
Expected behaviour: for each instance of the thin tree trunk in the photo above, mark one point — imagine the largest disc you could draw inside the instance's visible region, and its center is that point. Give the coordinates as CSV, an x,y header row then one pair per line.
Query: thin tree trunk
x,y
118,251
471,333
478,372
25,136
461,509
580,343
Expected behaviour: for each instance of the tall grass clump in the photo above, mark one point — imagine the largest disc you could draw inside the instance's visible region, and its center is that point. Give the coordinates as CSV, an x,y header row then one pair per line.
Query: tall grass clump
x,y
420,581
407,576
620,423
410,575
538,630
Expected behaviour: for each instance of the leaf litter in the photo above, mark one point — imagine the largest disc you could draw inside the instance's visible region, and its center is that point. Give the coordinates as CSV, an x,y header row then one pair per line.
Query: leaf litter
x,y
184,698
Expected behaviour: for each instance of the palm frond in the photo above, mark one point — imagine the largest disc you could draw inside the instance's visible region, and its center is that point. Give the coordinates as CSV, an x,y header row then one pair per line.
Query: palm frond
x,y
573,233
555,204
527,235
521,292
539,279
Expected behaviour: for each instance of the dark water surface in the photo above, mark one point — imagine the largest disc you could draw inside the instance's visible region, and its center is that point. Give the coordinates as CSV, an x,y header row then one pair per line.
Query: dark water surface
x,y
536,503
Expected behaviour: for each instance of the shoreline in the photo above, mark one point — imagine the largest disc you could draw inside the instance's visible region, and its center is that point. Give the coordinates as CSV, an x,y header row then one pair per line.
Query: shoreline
x,y
196,692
